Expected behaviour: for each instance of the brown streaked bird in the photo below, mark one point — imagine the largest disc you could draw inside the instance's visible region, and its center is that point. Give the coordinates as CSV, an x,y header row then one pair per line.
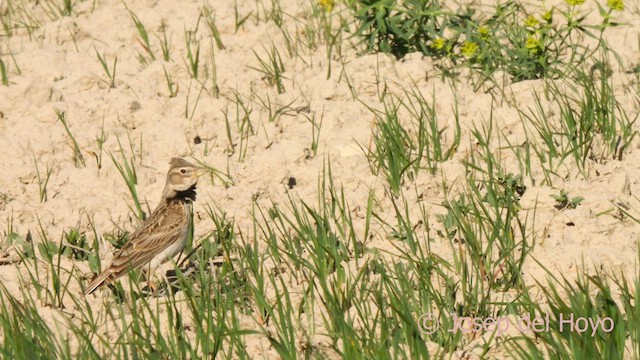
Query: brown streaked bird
x,y
162,235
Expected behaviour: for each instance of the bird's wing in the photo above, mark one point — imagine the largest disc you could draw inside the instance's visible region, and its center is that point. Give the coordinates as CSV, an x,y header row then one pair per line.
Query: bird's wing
x,y
164,227
160,230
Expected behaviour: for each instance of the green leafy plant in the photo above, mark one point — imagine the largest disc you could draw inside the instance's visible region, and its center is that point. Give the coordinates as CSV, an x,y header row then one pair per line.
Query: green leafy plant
x,y
538,47
390,27
563,201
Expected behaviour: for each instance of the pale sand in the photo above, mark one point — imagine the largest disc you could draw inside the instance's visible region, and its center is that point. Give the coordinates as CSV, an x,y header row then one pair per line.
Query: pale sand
x,y
60,70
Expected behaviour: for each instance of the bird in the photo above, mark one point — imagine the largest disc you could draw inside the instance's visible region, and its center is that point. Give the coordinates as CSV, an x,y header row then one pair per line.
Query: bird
x,y
164,233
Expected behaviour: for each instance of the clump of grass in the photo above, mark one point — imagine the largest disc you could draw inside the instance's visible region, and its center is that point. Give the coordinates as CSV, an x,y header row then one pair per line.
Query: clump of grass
x,y
485,218
321,26
210,16
164,43
78,158
75,245
190,112
272,68
144,40
127,169
273,109
193,52
312,243
587,318
17,17
316,126
101,139
24,332
54,9
172,86
110,72
238,19
43,179
243,126
4,75
56,287
405,148
395,150
592,126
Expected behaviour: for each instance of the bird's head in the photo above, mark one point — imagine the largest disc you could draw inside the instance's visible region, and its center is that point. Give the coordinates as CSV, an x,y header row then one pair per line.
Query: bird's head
x,y
182,176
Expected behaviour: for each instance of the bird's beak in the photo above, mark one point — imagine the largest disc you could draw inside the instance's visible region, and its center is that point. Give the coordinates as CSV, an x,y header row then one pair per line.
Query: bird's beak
x,y
201,171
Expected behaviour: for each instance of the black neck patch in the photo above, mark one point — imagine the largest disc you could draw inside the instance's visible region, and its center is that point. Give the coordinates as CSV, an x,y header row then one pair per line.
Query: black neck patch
x,y
188,195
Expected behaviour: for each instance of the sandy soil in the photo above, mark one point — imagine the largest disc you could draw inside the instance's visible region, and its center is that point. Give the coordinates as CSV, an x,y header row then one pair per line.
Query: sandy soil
x,y
59,69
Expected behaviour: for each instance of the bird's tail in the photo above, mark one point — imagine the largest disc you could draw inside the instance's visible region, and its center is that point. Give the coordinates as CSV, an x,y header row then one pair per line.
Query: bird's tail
x,y
104,277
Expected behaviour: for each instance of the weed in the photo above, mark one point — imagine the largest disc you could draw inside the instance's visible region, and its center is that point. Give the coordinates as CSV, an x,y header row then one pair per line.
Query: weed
x,y
592,125
243,126
238,19
78,158
164,43
590,299
406,149
54,9
101,139
272,68
189,113
25,332
213,28
316,126
4,76
144,40
193,52
563,201
534,48
43,179
127,169
215,90
172,86
111,73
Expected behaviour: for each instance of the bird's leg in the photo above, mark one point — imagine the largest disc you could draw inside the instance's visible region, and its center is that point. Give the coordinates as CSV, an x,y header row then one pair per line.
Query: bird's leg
x,y
151,284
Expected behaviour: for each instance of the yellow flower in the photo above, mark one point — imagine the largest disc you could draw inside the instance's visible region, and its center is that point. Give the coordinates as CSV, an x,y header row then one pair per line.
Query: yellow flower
x,y
326,5
532,44
484,32
438,44
575,2
469,49
530,21
548,16
616,4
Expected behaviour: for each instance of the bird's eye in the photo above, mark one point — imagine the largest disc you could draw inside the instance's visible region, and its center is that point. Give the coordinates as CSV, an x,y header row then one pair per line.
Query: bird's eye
x,y
183,171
